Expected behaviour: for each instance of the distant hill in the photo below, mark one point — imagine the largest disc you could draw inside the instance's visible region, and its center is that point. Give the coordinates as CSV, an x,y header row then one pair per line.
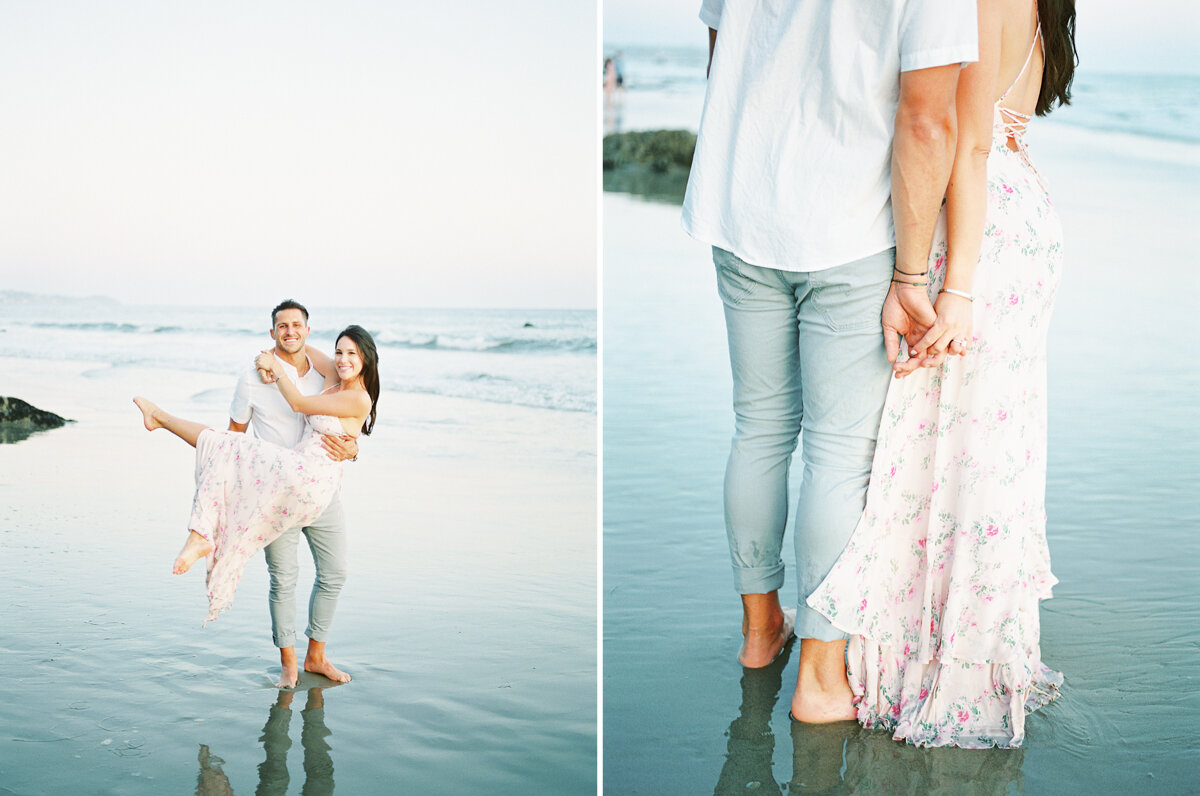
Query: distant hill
x,y
13,297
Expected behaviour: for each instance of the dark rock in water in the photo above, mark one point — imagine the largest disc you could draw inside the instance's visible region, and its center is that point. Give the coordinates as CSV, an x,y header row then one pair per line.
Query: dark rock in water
x,y
653,164
18,420
528,325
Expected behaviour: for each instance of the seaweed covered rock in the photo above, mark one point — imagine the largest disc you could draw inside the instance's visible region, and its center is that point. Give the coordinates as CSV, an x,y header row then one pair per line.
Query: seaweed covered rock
x,y
19,419
650,163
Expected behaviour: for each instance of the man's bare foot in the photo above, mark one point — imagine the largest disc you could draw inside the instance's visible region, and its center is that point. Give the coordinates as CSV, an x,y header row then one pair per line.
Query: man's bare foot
x,y
148,409
324,667
762,645
822,691
195,548
288,675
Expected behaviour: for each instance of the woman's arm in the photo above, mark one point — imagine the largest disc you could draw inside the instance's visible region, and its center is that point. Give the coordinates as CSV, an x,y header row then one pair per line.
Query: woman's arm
x,y
966,194
323,364
345,403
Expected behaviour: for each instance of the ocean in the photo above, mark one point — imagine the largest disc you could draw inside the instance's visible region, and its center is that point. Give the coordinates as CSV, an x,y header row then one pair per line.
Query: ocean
x,y
538,358
665,89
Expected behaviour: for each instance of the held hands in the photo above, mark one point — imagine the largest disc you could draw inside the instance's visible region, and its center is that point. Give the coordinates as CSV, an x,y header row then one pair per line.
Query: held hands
x,y
950,334
908,313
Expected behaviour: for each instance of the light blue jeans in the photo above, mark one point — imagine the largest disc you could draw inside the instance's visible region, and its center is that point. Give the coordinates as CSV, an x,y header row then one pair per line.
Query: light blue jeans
x,y
807,354
327,541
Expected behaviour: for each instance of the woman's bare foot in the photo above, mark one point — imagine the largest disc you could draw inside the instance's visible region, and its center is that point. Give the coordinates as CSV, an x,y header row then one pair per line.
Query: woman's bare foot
x,y
148,409
195,548
823,692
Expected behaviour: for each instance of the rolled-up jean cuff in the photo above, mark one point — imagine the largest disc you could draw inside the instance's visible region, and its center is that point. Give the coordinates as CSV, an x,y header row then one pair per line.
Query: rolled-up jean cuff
x,y
757,580
812,624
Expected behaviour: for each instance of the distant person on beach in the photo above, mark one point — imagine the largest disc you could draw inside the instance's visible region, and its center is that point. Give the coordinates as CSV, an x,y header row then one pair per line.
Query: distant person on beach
x,y
941,582
252,492
822,122
610,81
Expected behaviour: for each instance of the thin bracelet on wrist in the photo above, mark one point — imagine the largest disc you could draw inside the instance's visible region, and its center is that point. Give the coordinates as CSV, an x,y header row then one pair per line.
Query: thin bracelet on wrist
x,y
958,293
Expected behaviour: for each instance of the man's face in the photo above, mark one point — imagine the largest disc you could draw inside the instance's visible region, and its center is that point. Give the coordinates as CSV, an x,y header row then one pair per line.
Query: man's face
x,y
290,331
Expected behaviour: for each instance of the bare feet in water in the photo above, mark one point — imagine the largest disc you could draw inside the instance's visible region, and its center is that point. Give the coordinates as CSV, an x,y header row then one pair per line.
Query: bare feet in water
x,y
316,662
195,548
148,409
289,673
762,645
822,690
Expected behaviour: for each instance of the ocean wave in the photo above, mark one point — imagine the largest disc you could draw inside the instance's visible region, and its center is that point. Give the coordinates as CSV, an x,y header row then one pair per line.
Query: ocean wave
x,y
485,343
85,326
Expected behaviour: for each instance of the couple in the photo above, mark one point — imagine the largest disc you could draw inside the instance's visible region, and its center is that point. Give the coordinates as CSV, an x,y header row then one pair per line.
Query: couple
x,y
832,132
263,491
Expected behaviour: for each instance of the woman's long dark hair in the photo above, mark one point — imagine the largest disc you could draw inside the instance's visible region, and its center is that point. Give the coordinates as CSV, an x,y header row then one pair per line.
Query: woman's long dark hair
x,y
370,367
1058,38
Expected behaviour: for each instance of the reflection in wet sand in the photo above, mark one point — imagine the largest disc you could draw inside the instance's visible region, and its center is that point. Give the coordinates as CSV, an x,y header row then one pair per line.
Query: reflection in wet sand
x,y
273,776
843,758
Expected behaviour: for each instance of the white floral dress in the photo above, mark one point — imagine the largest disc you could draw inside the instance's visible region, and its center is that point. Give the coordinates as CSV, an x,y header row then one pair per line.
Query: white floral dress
x,y
249,491
940,583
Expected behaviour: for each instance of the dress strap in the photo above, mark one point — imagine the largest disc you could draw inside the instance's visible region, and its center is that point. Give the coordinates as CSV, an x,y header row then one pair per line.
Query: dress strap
x,y
1015,121
1037,38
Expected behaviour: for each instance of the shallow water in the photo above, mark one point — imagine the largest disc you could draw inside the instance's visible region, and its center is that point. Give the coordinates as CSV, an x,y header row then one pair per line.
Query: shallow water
x,y
680,716
468,625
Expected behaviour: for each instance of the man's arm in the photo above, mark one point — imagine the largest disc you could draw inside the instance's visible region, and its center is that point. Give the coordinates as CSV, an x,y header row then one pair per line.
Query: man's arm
x,y
966,195
236,426
340,448
922,154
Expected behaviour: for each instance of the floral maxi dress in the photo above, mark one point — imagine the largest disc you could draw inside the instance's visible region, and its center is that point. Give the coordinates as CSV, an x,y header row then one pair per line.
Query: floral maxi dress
x,y
249,491
940,583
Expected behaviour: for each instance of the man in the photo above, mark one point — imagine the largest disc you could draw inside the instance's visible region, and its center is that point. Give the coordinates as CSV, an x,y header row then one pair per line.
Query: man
x,y
795,183
257,403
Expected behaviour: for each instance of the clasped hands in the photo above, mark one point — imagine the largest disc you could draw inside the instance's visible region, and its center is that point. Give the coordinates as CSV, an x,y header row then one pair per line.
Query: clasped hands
x,y
340,448
932,331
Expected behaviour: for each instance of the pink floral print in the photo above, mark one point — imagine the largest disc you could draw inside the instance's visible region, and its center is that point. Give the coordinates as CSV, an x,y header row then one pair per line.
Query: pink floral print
x,y
940,584
248,492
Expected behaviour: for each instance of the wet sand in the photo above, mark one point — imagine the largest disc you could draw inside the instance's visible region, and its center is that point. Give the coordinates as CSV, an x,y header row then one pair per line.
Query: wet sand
x,y
467,622
681,716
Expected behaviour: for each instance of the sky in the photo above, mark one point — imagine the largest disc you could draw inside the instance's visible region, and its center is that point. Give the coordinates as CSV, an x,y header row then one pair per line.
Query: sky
x,y
1111,35
381,153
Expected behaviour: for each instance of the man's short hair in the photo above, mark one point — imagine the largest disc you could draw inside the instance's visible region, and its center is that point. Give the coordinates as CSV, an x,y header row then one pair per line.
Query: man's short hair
x,y
289,304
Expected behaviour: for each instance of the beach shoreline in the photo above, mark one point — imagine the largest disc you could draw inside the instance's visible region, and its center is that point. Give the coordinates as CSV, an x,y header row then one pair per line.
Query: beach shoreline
x,y
471,599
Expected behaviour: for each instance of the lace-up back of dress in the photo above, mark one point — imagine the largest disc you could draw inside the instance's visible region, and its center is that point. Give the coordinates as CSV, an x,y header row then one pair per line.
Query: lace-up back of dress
x,y
1013,122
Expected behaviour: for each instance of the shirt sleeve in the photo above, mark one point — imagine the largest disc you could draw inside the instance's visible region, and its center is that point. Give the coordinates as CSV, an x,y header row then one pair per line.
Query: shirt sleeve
x,y
240,411
937,33
710,12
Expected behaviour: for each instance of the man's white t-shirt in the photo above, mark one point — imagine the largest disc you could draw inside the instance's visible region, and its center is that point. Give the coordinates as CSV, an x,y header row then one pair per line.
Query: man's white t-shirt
x,y
792,164
267,411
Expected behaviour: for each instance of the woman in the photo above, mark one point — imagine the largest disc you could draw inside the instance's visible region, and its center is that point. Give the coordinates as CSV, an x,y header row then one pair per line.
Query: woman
x,y
249,491
940,583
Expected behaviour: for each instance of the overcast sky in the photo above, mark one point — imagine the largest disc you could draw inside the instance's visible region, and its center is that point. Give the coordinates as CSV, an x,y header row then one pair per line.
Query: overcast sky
x,y
384,153
1112,35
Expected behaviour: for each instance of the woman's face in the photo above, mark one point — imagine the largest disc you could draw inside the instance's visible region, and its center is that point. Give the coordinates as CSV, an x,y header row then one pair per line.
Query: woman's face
x,y
347,359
